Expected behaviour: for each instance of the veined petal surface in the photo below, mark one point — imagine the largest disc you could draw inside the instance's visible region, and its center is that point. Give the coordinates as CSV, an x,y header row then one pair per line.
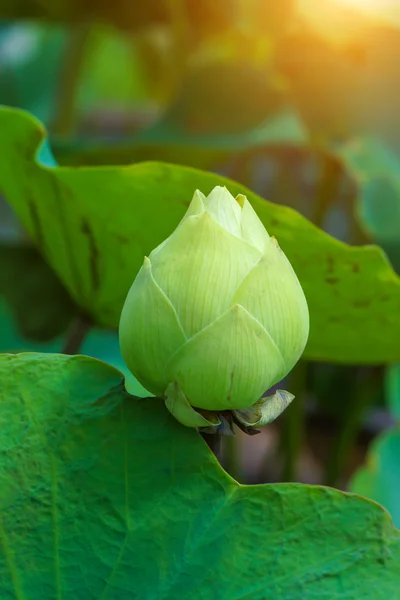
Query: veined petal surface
x,y
272,293
196,207
229,364
222,206
149,331
253,231
199,268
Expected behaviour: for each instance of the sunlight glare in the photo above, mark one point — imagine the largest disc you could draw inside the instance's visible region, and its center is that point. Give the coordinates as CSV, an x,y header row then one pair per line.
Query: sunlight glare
x,y
343,19
360,2
388,7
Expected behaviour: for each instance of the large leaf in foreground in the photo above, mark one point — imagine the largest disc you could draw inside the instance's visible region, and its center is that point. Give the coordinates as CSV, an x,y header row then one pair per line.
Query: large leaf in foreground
x,y
379,479
105,496
94,225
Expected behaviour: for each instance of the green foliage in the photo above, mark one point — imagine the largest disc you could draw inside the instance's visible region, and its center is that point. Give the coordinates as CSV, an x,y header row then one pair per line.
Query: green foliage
x,y
105,496
377,171
30,57
211,101
208,15
169,140
392,390
102,495
100,81
95,225
98,343
11,340
379,479
41,305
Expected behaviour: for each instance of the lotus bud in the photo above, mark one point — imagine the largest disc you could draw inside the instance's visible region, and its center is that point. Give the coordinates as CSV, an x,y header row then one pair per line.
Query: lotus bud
x,y
216,316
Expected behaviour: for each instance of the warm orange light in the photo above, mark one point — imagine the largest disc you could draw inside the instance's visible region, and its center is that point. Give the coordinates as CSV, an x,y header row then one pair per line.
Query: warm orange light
x,y
380,8
344,19
361,2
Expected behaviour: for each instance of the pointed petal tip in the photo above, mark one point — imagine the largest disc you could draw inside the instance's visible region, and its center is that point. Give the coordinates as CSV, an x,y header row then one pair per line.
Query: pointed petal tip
x,y
241,200
219,188
219,191
196,206
275,242
199,195
253,229
222,206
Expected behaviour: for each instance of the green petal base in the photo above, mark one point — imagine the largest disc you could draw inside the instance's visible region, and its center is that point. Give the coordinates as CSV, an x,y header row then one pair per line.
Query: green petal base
x,y
264,411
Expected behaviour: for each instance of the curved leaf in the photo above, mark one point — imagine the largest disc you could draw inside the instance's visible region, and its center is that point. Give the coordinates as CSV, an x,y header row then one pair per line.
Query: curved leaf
x,y
94,225
104,496
379,479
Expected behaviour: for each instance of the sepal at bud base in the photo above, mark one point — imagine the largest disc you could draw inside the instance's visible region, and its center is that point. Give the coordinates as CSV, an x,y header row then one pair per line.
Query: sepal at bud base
x,y
225,427
179,407
265,410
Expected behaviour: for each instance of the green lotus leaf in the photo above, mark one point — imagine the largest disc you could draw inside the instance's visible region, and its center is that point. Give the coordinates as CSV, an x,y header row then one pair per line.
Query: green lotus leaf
x,y
105,496
95,225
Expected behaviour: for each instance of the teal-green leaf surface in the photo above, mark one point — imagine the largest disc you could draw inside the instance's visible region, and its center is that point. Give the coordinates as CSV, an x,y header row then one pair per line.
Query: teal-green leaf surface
x,y
392,390
379,479
376,170
106,497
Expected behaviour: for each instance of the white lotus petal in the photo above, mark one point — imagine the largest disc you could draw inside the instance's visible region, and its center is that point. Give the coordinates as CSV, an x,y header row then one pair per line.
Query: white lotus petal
x,y
272,293
196,207
223,207
199,268
227,365
253,231
149,331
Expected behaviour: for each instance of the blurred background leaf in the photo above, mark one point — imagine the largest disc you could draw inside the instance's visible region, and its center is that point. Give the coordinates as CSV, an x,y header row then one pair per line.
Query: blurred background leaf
x,y
392,390
30,56
380,478
376,168
27,281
